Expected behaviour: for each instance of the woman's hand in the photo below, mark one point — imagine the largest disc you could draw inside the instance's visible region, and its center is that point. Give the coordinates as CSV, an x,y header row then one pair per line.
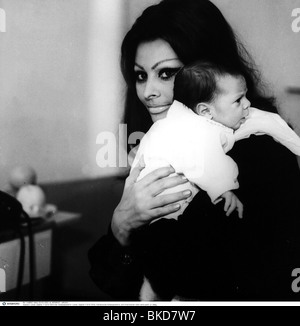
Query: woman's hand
x,y
140,204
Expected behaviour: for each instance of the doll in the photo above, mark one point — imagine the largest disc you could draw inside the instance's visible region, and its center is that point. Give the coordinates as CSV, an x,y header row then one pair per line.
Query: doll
x,y
20,176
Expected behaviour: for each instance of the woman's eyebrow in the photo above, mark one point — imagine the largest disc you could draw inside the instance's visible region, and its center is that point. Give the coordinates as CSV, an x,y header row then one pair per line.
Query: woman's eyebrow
x,y
139,66
156,64
163,61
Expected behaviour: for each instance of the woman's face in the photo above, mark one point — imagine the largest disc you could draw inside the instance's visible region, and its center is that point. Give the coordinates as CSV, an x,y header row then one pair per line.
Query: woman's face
x,y
156,65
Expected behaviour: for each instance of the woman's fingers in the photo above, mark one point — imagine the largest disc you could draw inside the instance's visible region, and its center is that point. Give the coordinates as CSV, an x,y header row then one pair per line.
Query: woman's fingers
x,y
164,211
142,197
166,204
157,174
134,174
162,184
164,200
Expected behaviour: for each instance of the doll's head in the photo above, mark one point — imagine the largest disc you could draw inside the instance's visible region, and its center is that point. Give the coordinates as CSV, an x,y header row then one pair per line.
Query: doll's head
x,y
20,176
33,200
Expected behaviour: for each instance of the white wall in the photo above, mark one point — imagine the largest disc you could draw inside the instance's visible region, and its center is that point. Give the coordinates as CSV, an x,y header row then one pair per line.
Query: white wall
x,y
136,7
60,85
43,87
107,26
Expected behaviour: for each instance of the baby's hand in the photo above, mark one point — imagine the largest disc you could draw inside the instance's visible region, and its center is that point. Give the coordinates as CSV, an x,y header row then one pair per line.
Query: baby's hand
x,y
232,203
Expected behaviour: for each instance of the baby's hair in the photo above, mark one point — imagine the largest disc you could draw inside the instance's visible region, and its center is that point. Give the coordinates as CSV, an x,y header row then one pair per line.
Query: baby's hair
x,y
197,82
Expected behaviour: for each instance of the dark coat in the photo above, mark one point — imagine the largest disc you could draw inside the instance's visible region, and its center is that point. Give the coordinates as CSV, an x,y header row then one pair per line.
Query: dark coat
x,y
208,256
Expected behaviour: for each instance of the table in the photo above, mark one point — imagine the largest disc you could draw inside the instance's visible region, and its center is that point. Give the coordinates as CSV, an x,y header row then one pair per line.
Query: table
x,y
43,235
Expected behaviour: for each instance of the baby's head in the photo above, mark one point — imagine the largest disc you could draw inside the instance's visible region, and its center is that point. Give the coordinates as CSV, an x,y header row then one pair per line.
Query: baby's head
x,y
33,200
213,91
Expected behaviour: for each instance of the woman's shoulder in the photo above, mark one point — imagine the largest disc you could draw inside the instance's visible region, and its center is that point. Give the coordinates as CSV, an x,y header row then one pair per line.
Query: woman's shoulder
x,y
262,158
261,147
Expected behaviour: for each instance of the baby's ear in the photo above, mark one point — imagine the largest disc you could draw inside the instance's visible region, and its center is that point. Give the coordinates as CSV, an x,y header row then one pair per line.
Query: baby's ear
x,y
204,110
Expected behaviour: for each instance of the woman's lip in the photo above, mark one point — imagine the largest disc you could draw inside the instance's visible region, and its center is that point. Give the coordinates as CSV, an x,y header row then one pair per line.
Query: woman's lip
x,y
158,108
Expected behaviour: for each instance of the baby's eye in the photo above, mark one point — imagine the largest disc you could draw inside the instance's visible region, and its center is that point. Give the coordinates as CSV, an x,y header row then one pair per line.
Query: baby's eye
x,y
140,76
168,73
238,101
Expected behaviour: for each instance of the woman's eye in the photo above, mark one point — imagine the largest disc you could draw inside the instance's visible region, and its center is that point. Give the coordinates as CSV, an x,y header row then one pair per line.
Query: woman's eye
x,y
168,73
140,76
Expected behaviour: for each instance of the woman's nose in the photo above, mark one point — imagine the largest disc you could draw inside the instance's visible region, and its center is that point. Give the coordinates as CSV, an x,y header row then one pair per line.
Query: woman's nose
x,y
151,89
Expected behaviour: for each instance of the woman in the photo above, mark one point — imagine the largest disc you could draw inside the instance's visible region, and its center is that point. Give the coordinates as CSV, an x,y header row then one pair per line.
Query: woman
x,y
161,41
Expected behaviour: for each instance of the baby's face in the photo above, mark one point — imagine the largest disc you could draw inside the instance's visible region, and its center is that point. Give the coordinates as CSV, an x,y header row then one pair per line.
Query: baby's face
x,y
231,105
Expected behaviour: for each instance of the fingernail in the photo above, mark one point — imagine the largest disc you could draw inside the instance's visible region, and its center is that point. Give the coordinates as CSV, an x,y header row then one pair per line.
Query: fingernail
x,y
187,193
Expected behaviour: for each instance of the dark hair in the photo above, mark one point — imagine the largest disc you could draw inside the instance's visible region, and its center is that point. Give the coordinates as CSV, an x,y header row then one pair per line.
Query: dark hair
x,y
196,30
197,82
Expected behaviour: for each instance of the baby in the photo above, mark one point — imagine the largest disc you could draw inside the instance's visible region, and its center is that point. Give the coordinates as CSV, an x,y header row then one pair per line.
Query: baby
x,y
210,112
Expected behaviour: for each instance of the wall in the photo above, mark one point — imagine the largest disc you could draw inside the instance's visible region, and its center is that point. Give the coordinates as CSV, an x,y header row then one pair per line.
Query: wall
x,y
105,85
43,87
136,7
60,85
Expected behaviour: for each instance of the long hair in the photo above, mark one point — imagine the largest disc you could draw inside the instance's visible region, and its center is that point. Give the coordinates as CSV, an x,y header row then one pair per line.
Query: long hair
x,y
196,30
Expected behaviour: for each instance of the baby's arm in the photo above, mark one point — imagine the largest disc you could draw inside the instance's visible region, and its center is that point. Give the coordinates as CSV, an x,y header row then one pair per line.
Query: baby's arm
x,y
260,122
232,203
